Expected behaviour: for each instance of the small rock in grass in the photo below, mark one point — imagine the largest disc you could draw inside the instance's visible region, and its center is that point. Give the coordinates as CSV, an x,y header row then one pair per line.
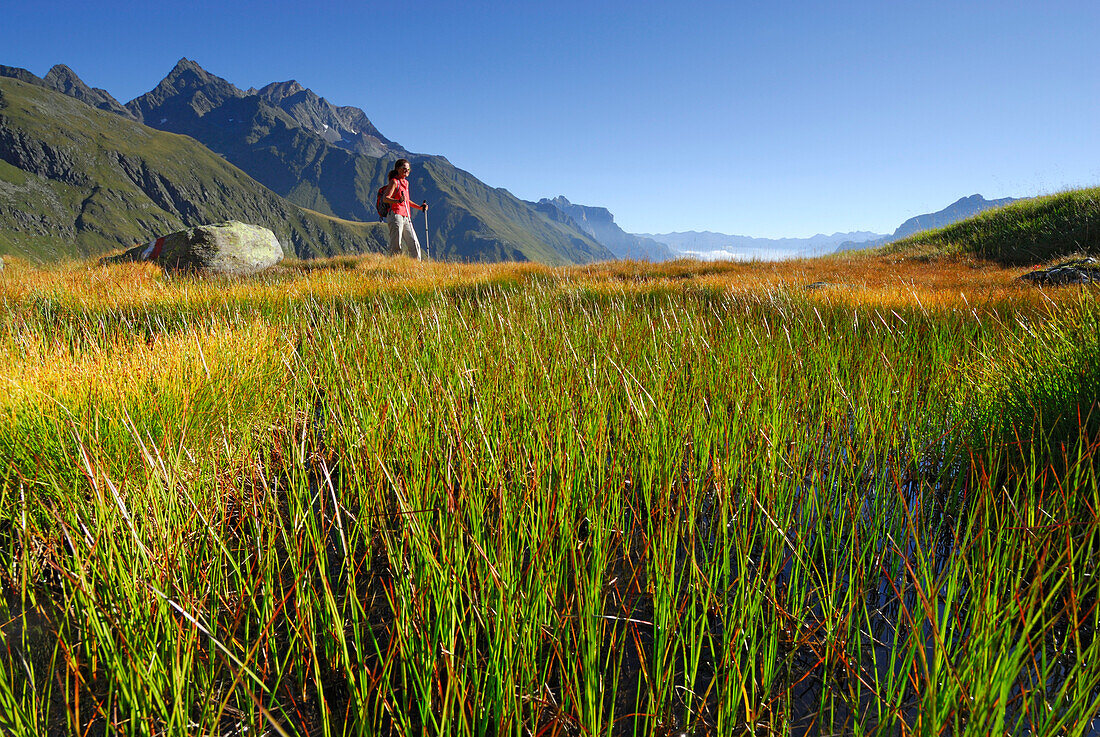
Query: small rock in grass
x,y
1077,271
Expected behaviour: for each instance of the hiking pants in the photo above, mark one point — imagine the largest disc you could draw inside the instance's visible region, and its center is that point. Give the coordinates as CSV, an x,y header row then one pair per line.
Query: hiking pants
x,y
402,236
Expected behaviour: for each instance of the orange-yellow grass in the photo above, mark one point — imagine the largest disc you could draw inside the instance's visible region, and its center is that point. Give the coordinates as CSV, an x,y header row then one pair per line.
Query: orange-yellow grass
x,y
849,280
34,371
852,280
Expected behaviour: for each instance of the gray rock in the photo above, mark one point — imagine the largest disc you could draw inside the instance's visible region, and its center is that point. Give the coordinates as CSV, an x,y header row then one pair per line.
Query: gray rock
x,y
1078,271
222,248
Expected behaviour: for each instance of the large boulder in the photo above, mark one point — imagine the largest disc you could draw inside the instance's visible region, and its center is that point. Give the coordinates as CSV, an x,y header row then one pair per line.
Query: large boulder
x,y
221,248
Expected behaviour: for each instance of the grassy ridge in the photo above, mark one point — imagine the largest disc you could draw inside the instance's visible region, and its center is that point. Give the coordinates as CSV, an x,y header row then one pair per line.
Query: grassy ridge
x,y
1027,232
372,498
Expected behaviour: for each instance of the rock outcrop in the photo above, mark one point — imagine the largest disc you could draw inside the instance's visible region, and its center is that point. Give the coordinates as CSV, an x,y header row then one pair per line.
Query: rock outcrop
x,y
222,248
1077,271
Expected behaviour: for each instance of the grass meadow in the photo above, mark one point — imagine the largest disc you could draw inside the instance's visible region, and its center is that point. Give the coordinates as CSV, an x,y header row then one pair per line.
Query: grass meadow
x,y
367,496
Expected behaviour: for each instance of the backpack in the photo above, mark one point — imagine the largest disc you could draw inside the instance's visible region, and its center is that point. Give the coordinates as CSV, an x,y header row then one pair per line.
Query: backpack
x,y
380,204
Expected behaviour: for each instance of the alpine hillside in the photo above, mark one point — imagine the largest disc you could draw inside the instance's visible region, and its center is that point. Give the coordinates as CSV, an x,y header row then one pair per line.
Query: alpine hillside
x,y
333,160
77,182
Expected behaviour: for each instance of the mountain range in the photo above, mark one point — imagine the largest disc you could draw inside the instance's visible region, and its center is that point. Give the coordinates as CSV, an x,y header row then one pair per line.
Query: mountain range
x,y
333,160
709,246
599,223
307,152
78,181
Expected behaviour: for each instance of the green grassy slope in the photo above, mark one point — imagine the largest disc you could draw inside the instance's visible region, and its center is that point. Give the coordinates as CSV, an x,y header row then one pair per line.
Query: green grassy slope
x,y
1026,232
77,182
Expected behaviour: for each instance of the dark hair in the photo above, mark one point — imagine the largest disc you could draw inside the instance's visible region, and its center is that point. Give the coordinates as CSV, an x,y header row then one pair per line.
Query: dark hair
x,y
397,165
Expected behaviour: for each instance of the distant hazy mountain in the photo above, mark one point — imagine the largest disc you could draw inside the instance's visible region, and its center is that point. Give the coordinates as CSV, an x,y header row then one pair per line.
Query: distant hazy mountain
x,y
708,245
77,182
599,223
960,209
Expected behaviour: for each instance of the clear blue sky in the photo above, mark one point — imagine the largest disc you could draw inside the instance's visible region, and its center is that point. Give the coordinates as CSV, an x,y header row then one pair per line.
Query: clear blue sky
x,y
770,118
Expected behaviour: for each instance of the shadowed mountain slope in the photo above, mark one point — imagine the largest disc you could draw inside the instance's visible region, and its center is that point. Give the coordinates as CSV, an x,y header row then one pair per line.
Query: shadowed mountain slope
x,y
78,182
346,127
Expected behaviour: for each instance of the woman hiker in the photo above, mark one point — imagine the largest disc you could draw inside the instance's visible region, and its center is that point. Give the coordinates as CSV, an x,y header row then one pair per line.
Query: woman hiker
x,y
402,236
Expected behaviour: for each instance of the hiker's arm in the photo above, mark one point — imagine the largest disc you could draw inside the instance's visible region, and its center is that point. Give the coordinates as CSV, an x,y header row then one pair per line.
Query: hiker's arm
x,y
388,197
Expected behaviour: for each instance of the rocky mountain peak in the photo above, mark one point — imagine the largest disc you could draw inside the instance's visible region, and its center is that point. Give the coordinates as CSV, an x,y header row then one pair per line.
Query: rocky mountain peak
x,y
187,74
187,85
185,65
187,77
64,80
278,91
582,213
560,201
346,127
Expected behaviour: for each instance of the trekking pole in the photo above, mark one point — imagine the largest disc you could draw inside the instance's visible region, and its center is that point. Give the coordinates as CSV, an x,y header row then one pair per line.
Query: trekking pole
x,y
409,209
427,240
